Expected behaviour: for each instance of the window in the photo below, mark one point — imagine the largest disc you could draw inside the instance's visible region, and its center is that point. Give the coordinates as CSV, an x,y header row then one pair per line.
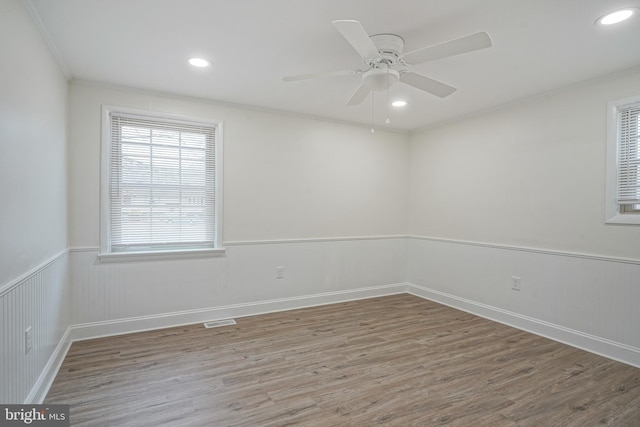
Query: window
x,y
160,184
623,162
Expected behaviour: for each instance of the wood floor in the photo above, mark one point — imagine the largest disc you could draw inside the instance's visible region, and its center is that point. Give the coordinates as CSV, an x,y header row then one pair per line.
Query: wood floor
x,y
397,360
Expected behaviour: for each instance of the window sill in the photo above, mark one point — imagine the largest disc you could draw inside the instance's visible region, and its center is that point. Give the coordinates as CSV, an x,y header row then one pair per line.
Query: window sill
x,y
159,255
624,219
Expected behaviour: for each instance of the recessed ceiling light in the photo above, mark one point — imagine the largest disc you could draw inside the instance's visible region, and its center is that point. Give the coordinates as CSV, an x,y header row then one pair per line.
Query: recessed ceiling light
x,y
199,62
615,17
399,103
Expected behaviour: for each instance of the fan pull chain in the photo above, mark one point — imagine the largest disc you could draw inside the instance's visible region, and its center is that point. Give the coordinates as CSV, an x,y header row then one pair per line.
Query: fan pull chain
x,y
372,105
387,120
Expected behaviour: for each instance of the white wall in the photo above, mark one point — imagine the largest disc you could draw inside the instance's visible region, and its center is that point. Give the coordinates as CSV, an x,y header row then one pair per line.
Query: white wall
x,y
284,177
520,191
325,200
33,111
531,174
33,208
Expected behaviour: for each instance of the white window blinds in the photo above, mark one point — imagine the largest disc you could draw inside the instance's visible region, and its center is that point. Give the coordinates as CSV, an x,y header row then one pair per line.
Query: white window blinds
x,y
628,155
161,184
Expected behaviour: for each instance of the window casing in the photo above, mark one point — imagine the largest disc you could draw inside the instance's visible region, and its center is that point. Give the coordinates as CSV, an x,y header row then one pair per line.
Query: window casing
x,y
160,185
623,162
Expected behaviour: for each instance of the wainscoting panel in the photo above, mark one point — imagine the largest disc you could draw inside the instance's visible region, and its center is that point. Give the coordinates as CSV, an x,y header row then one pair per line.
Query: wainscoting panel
x,y
117,290
313,267
588,301
246,274
40,300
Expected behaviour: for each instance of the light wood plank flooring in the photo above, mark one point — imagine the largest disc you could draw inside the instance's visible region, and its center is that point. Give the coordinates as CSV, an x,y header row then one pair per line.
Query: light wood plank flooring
x,y
397,360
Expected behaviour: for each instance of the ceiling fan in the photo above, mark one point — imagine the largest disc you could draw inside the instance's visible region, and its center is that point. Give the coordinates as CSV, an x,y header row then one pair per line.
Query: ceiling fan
x,y
386,64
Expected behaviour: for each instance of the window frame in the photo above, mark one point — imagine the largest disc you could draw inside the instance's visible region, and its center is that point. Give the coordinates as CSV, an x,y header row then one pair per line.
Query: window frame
x,y
106,254
616,213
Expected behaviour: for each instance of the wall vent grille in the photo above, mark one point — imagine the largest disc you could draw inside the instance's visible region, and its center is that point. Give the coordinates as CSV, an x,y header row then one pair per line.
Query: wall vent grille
x,y
218,323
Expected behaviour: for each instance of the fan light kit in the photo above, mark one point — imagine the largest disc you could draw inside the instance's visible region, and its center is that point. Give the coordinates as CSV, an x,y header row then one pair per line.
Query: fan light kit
x,y
380,79
615,17
386,64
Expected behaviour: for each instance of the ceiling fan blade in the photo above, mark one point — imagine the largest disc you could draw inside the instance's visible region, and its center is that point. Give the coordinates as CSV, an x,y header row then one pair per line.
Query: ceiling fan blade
x,y
454,47
320,75
426,84
359,95
358,38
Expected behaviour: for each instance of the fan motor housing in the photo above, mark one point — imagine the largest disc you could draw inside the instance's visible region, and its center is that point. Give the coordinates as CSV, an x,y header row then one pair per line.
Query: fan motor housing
x,y
390,46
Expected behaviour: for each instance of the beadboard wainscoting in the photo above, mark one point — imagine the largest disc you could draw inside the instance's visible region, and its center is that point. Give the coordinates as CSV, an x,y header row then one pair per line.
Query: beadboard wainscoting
x,y
587,301
38,299
113,298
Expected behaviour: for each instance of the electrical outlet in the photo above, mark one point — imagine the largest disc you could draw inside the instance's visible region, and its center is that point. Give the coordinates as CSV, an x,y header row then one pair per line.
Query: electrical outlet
x,y
28,340
515,283
280,272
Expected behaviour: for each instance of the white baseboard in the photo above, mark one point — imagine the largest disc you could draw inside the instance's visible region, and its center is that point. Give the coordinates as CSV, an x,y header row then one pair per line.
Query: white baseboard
x,y
166,320
48,375
603,347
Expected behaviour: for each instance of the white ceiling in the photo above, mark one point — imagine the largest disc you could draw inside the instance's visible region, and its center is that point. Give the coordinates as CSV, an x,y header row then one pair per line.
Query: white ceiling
x,y
538,45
